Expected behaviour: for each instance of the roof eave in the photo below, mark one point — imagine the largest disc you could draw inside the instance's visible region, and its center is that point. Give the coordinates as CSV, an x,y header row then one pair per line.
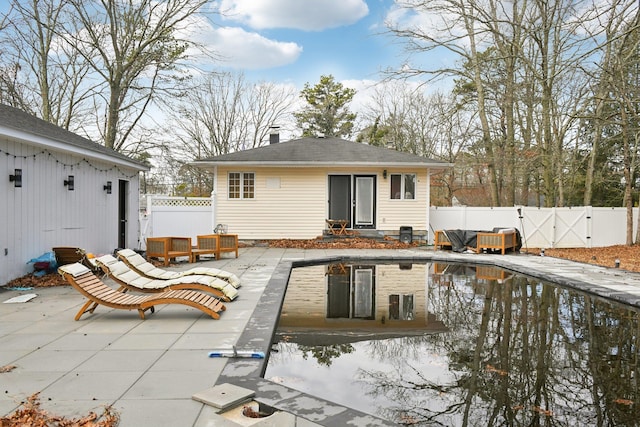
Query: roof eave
x,y
290,164
62,146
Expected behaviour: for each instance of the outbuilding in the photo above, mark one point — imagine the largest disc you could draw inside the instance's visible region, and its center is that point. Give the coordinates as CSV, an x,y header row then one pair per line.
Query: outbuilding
x,y
60,189
300,188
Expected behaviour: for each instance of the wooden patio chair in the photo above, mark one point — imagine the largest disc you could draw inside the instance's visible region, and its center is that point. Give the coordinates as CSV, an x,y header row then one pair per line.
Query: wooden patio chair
x,y
227,243
208,244
137,263
98,293
131,280
68,255
168,248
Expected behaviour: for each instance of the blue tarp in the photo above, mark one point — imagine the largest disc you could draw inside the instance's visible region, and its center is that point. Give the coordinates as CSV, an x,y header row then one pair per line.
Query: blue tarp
x,y
45,263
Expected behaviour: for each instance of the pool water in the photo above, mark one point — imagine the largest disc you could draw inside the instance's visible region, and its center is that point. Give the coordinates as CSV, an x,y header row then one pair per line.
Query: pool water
x,y
457,345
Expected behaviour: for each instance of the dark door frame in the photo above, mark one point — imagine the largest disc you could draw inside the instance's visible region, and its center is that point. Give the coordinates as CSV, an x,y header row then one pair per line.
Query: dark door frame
x,y
123,190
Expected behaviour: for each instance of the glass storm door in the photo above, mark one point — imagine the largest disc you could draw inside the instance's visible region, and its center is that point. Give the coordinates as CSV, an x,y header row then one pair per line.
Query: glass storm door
x,y
364,201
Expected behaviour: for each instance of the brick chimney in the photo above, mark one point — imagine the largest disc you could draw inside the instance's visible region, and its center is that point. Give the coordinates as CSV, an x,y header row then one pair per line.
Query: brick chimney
x,y
274,136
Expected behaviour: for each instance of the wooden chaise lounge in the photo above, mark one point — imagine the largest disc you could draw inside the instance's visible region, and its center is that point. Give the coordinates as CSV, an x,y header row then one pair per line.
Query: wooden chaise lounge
x,y
98,293
129,279
137,263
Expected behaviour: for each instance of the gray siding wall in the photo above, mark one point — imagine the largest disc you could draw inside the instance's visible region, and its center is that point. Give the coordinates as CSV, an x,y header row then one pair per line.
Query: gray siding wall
x,y
43,213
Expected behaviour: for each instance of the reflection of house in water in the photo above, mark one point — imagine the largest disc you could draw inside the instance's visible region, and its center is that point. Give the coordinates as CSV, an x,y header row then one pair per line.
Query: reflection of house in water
x,y
339,303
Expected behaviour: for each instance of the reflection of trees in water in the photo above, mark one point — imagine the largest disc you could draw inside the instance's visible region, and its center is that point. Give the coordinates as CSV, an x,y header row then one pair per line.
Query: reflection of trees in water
x,y
283,352
324,354
519,353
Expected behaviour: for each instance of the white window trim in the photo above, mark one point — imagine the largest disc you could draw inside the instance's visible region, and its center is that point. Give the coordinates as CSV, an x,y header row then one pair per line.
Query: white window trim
x,y
242,177
402,181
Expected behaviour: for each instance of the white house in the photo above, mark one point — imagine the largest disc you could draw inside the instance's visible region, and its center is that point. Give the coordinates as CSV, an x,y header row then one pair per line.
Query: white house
x,y
289,189
60,189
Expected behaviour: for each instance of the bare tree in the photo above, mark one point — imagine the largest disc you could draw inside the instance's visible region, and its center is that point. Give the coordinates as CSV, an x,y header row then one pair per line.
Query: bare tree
x,y
135,50
223,113
48,75
523,71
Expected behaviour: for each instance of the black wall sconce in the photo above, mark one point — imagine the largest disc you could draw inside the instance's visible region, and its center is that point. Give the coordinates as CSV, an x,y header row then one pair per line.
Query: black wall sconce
x,y
107,187
16,178
69,183
384,174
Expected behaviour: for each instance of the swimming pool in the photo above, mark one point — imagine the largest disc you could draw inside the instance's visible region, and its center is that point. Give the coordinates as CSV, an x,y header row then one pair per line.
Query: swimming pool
x,y
454,344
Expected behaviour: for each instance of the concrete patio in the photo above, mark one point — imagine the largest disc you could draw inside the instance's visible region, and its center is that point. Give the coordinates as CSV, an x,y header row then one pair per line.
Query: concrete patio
x,y
149,370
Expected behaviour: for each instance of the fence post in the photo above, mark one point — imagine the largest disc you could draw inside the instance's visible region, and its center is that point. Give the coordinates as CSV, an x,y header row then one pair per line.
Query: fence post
x,y
213,210
589,219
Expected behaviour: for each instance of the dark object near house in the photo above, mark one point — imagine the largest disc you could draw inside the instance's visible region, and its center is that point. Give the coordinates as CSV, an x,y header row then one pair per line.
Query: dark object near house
x,y
406,234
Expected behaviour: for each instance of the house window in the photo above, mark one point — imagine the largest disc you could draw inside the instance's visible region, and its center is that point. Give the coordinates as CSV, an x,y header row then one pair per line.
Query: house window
x,y
401,307
403,186
242,185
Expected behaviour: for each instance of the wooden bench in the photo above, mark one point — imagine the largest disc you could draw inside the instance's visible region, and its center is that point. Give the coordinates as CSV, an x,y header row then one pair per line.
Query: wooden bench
x,y
208,244
168,248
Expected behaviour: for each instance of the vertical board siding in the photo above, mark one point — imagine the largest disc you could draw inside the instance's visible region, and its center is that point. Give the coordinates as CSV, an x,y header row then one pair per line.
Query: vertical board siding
x,y
43,213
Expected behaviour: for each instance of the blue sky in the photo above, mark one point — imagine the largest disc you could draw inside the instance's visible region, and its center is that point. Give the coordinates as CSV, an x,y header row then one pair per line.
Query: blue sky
x,y
297,41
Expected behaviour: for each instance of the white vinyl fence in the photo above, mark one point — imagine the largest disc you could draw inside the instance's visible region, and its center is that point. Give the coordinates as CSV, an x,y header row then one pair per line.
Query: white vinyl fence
x,y
575,227
176,216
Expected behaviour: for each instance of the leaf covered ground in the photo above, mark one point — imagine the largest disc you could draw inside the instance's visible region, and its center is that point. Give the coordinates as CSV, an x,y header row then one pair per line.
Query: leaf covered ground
x,y
629,256
31,414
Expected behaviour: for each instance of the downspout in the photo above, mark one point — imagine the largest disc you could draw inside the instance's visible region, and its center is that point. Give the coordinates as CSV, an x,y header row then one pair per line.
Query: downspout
x,y
427,211
214,199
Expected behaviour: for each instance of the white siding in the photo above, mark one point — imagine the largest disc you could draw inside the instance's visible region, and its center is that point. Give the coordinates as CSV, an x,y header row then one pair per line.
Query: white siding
x,y
292,203
43,213
394,213
306,299
295,210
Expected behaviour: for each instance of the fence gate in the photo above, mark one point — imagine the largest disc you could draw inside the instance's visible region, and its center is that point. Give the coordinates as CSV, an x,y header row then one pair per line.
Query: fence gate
x,y
557,227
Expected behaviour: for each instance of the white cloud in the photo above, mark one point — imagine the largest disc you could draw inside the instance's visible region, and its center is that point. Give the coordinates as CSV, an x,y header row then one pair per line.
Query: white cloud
x,y
233,47
238,48
308,15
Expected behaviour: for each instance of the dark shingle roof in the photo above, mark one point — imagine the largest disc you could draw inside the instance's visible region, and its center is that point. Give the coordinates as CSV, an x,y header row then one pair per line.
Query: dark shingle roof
x,y
319,152
19,120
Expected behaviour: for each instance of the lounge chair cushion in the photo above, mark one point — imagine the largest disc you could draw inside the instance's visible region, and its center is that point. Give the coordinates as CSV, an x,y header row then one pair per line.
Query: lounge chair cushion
x,y
133,257
75,269
137,262
123,274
